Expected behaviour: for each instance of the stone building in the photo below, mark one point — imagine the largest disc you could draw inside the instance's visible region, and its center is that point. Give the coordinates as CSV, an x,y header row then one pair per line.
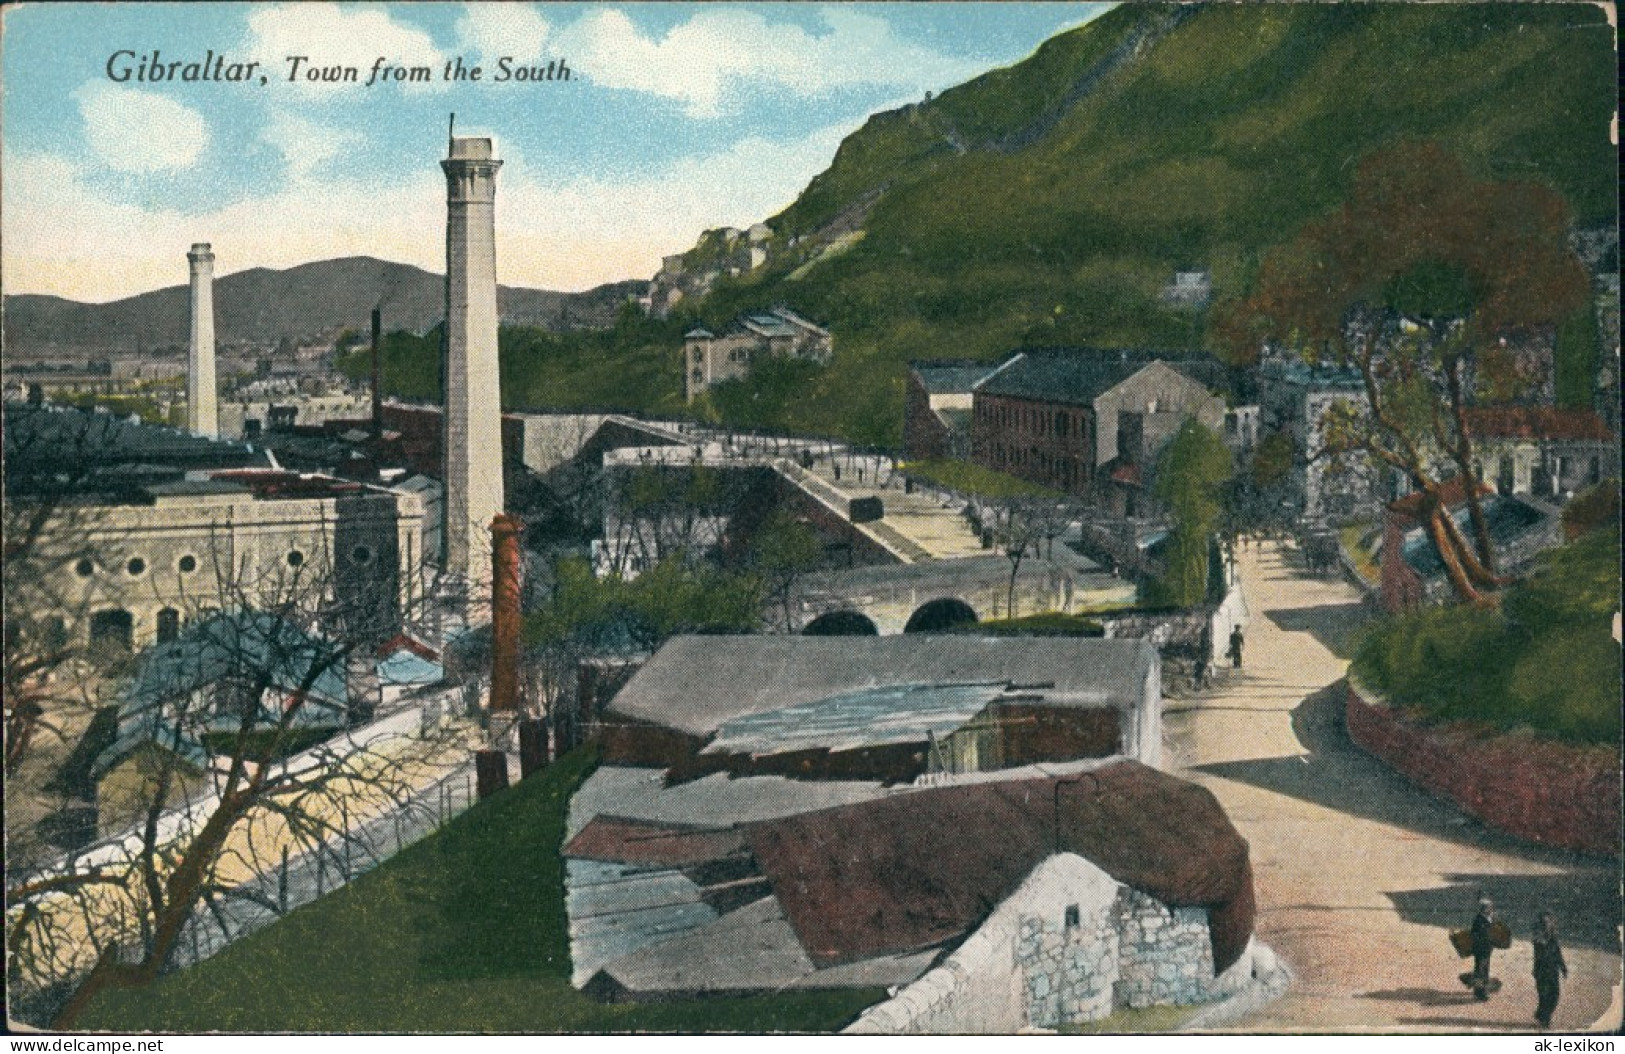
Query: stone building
x,y
708,359
1089,422
146,529
937,403
1543,451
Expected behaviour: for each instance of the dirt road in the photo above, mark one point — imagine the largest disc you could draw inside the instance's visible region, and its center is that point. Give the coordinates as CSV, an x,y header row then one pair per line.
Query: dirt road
x,y
1360,874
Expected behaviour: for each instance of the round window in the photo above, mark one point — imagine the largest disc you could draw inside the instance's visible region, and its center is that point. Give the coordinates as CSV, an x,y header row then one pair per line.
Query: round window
x,y
295,558
85,568
136,565
361,554
187,564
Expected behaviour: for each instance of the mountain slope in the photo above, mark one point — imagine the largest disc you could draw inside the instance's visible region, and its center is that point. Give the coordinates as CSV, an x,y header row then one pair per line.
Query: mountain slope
x,y
267,305
1049,203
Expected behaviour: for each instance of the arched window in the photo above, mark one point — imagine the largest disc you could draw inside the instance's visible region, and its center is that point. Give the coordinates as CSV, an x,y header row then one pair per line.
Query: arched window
x,y
169,625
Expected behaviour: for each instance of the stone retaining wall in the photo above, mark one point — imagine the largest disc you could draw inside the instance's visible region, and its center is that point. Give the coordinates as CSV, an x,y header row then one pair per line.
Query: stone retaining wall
x,y
1165,954
1071,945
1553,793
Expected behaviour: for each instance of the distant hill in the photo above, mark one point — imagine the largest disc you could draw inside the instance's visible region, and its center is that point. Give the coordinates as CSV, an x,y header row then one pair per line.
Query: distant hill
x,y
266,305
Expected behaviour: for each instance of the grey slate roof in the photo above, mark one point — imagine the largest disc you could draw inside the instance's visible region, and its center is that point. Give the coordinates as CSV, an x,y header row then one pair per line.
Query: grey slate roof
x,y
698,684
1076,376
951,378
90,449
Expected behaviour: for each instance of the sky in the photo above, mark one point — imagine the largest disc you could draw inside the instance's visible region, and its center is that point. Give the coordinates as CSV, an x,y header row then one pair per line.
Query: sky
x,y
675,118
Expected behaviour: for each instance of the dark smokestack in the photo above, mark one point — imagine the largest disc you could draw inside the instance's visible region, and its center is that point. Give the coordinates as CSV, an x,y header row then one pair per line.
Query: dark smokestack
x,y
377,375
504,614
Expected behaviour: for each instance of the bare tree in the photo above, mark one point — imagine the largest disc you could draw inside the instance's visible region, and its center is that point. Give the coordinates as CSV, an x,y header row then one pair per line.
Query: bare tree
x,y
1023,525
237,745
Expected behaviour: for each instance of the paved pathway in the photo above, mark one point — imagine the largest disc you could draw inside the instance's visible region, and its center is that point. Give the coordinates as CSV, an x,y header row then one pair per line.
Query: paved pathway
x,y
1359,874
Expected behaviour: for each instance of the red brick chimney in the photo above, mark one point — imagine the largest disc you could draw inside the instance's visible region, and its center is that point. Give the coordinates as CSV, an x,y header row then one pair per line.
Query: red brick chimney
x,y
504,614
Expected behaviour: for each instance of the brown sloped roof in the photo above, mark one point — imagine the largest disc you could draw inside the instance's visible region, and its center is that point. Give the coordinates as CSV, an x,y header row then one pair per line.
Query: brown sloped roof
x,y
1537,422
903,873
615,840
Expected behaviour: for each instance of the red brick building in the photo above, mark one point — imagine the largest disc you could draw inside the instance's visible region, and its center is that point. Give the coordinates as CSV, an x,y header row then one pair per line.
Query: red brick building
x,y
1087,421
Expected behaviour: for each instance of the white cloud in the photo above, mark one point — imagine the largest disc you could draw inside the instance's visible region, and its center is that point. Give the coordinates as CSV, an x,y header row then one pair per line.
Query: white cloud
x,y
332,35
549,234
140,131
489,31
724,47
305,145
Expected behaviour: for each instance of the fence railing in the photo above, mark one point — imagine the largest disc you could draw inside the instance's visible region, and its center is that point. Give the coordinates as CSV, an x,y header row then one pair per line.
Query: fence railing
x,y
298,879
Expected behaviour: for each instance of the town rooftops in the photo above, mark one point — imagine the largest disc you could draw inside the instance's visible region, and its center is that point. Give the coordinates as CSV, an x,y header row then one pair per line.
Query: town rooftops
x,y
254,644
256,649
1077,376
54,448
768,326
698,684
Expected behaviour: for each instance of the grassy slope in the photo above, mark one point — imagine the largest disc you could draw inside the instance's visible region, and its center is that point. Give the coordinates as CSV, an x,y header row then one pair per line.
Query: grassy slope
x,y
463,932
1016,209
1220,141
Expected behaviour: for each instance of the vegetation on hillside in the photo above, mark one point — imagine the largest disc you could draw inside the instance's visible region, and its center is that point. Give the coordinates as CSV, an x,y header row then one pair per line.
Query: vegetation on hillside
x,y
463,932
1499,667
1048,203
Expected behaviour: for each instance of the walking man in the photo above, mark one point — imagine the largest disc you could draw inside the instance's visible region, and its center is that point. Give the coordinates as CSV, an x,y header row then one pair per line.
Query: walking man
x,y
1483,933
1235,648
1549,968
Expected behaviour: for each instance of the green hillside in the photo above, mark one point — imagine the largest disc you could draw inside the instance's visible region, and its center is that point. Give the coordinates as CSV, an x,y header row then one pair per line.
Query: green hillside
x,y
1048,203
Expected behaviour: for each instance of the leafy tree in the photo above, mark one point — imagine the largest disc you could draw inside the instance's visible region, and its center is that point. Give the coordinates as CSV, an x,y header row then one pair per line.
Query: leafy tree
x,y
1425,281
782,551
1192,471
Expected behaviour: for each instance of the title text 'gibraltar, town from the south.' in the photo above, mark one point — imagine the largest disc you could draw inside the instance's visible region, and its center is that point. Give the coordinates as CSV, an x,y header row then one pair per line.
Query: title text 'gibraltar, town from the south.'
x,y
153,67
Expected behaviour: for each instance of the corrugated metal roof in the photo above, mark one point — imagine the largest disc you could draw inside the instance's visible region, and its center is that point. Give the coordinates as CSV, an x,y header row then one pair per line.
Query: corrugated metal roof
x,y
716,801
906,713
614,910
699,684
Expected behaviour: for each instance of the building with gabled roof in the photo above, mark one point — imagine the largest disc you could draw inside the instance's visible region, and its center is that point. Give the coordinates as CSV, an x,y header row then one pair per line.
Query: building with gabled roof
x,y
1069,418
889,708
708,359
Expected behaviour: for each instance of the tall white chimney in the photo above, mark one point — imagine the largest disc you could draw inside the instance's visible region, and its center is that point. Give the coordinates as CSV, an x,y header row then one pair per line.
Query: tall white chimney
x,y
202,415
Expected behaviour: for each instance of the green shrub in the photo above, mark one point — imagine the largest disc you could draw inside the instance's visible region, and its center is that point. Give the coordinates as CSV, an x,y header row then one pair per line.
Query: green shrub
x,y
1567,683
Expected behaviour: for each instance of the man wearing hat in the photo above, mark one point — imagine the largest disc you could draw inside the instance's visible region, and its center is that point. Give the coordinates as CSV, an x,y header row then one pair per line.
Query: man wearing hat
x,y
1484,933
1549,968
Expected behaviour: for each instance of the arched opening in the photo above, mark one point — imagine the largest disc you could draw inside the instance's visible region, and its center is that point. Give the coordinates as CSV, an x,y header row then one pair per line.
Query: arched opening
x,y
169,625
841,624
937,615
111,633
